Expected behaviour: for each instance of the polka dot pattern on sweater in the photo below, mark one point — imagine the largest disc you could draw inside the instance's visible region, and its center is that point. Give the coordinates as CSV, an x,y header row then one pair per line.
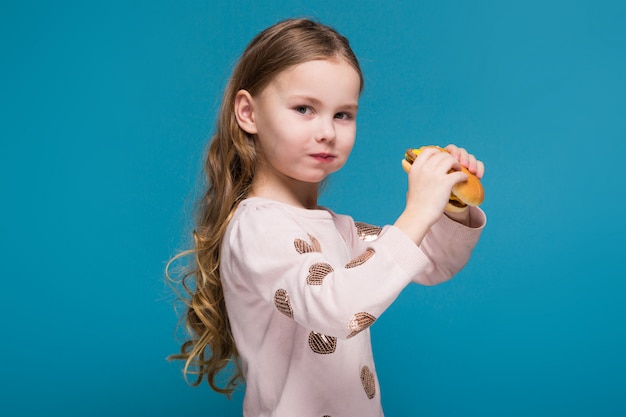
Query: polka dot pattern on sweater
x,y
302,246
360,322
369,382
322,344
282,302
317,273
361,259
367,232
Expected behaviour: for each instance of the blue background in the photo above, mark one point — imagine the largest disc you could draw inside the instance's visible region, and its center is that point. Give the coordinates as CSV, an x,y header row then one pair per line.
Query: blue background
x,y
107,107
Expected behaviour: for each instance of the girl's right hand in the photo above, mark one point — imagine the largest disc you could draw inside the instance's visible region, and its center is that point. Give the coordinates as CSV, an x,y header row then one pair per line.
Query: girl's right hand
x,y
431,178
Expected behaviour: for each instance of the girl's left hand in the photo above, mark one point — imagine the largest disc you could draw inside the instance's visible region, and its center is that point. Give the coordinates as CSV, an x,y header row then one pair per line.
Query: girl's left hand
x,y
468,160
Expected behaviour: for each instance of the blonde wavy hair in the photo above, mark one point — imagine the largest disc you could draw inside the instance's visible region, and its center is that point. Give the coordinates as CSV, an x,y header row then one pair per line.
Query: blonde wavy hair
x,y
229,168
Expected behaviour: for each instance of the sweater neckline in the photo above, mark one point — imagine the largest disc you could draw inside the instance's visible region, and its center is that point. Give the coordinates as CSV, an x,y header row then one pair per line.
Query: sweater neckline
x,y
320,212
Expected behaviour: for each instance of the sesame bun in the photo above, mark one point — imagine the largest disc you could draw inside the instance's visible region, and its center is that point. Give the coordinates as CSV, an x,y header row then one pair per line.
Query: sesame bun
x,y
467,193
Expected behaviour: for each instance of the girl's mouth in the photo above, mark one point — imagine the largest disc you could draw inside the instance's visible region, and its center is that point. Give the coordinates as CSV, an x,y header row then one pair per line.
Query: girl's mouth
x,y
323,157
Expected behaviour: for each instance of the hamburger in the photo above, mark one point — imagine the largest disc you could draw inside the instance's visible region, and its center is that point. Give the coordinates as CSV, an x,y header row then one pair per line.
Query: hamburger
x,y
464,194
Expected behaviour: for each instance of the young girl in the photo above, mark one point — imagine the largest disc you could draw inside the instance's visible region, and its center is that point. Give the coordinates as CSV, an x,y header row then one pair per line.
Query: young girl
x,y
281,287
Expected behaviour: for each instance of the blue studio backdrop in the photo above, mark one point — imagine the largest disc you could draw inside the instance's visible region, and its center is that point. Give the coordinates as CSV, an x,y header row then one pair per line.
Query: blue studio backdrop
x,y
106,110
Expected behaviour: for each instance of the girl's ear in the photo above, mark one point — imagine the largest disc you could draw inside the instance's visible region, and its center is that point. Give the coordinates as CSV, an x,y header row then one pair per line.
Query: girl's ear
x,y
244,112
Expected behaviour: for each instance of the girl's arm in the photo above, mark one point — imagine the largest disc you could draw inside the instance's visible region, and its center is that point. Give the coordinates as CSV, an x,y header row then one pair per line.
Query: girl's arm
x,y
449,245
274,262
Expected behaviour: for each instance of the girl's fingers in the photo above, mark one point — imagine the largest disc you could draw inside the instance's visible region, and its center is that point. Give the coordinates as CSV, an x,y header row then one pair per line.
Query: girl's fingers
x,y
460,154
472,164
453,149
467,159
480,169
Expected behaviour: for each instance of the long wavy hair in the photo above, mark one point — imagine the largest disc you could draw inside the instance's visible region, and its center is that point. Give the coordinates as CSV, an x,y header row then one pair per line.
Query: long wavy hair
x,y
230,168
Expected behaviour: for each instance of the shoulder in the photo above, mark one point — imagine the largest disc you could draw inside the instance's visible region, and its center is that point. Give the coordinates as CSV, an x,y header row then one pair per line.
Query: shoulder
x,y
270,222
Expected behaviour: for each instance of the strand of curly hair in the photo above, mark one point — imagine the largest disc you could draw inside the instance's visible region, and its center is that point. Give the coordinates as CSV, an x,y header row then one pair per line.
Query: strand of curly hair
x,y
229,168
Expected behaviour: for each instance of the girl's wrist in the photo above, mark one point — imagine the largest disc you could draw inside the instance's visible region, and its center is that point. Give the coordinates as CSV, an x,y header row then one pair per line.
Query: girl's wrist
x,y
414,225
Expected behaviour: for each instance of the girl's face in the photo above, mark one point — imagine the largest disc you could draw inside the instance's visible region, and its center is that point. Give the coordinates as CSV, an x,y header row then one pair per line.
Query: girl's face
x,y
305,123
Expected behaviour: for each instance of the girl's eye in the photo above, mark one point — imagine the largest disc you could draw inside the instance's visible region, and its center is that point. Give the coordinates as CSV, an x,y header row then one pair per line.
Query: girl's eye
x,y
303,109
343,116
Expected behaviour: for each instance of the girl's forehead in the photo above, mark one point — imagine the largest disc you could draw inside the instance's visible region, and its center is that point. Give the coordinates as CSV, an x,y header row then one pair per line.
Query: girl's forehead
x,y
318,73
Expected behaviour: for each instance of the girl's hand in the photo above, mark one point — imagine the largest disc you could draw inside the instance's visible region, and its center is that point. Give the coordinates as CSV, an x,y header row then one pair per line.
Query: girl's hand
x,y
476,167
468,160
431,178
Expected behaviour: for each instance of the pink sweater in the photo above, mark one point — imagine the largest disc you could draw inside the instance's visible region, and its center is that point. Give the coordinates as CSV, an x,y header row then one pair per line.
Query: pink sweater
x,y
302,287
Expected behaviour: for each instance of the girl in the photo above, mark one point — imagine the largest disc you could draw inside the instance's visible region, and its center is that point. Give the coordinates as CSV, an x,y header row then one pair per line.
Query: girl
x,y
287,290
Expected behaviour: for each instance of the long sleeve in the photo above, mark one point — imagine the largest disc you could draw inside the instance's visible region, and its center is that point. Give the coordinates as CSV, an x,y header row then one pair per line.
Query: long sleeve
x,y
302,272
449,246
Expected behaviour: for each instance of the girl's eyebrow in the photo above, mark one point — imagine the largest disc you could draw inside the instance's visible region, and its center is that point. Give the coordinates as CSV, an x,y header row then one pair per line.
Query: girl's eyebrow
x,y
352,107
315,101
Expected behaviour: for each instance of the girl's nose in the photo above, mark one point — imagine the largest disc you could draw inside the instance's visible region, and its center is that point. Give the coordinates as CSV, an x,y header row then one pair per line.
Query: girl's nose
x,y
326,131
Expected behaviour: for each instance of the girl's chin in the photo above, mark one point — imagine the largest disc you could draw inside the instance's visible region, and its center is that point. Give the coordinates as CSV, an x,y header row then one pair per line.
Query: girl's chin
x,y
314,177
